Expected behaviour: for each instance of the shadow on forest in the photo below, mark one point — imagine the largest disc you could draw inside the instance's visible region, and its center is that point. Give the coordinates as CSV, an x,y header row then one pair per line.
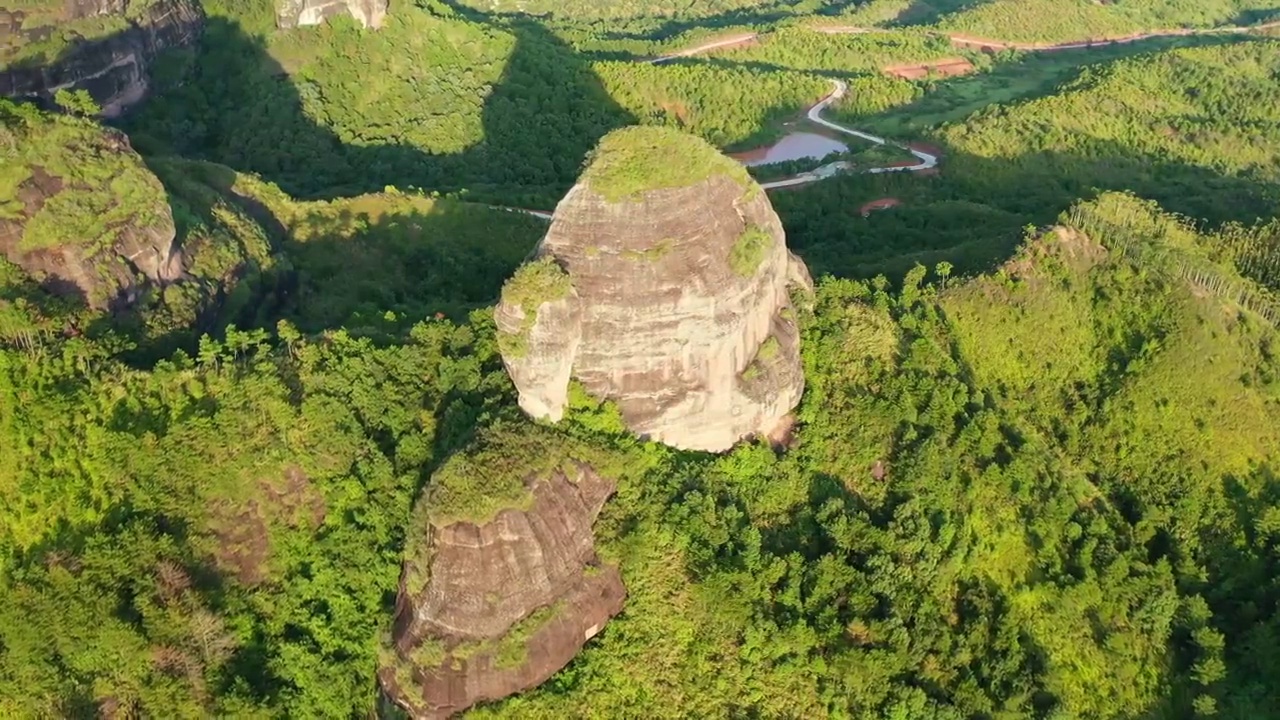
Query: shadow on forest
x,y
241,108
973,213
1242,588
237,106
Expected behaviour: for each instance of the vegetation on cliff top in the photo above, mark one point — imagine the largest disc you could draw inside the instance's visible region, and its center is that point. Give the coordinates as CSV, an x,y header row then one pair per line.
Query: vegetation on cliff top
x,y
99,185
534,283
749,250
634,160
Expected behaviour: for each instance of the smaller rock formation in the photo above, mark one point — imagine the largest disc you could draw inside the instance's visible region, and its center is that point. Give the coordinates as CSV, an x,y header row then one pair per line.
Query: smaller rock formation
x,y
663,285
502,586
80,213
107,48
302,13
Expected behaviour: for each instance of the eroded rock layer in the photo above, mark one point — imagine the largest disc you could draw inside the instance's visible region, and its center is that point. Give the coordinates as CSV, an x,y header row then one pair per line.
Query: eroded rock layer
x,y
113,66
506,603
86,218
301,13
677,305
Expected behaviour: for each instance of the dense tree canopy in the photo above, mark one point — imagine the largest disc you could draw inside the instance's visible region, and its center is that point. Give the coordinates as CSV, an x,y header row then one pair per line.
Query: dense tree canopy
x,y
1034,472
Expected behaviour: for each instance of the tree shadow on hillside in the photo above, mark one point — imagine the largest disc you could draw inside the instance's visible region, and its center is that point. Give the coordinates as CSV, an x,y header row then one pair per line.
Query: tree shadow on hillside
x,y
237,106
1243,564
973,213
241,108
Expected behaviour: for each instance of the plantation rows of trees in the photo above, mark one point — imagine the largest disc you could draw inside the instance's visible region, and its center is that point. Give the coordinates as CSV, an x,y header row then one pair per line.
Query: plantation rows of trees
x,y
1059,20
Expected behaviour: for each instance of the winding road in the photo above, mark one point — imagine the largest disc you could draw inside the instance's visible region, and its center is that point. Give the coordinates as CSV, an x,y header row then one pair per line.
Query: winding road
x,y
927,160
839,88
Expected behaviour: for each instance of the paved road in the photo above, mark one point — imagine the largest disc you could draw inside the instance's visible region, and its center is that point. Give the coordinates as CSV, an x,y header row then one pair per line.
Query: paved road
x,y
712,45
839,88
927,160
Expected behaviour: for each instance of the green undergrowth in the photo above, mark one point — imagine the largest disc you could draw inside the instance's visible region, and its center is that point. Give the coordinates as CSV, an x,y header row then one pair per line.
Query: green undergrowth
x,y
749,250
629,162
1059,21
534,283
495,473
509,651
105,186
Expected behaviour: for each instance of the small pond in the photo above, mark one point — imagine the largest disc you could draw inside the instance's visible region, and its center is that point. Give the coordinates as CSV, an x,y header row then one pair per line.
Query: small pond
x,y
793,146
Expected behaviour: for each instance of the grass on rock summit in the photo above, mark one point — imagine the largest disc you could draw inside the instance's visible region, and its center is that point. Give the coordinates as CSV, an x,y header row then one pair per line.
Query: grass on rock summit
x,y
632,160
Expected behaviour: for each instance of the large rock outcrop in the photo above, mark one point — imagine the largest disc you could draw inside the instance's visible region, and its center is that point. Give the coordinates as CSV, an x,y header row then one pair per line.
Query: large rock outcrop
x,y
663,285
301,13
106,47
80,213
497,600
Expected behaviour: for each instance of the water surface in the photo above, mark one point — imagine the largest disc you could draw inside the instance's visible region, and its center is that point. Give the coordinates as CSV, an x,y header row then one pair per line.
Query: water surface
x,y
797,145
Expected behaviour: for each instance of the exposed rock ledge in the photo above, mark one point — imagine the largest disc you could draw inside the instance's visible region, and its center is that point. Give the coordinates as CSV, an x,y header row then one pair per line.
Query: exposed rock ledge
x,y
487,610
88,219
302,13
114,69
672,299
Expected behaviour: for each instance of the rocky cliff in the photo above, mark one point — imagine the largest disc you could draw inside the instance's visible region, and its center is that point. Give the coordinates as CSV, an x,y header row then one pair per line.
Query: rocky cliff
x,y
79,212
498,598
299,13
106,47
663,285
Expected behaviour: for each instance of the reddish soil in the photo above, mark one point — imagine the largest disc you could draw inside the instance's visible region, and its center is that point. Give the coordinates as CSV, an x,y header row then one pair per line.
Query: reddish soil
x,y
925,147
783,435
242,529
947,67
882,204
879,471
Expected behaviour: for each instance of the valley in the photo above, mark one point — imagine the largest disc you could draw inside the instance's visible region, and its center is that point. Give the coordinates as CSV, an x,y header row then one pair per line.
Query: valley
x,y
711,359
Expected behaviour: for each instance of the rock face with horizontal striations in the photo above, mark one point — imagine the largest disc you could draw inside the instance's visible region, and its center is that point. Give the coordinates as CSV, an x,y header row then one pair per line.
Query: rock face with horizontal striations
x,y
302,13
80,213
489,608
107,47
663,285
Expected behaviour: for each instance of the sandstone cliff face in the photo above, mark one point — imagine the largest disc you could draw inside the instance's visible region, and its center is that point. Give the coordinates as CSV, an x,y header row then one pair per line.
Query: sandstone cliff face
x,y
503,605
112,65
678,307
301,13
85,217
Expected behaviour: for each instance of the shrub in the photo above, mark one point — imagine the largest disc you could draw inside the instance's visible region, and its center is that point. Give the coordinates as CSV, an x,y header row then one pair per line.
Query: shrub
x,y
749,250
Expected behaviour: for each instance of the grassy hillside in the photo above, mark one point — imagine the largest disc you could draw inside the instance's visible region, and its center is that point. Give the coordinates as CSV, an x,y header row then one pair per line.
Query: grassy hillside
x,y
1009,490
1053,20
1187,127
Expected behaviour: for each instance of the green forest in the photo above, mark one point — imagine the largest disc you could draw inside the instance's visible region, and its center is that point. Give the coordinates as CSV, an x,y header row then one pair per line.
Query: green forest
x,y
1033,474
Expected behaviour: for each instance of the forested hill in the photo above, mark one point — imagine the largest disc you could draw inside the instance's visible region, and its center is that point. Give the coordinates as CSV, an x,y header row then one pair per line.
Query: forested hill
x,y
1033,472
1043,490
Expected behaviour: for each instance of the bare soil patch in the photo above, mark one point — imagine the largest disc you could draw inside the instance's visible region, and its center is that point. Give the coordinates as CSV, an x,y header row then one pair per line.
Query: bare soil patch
x,y
883,203
946,67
